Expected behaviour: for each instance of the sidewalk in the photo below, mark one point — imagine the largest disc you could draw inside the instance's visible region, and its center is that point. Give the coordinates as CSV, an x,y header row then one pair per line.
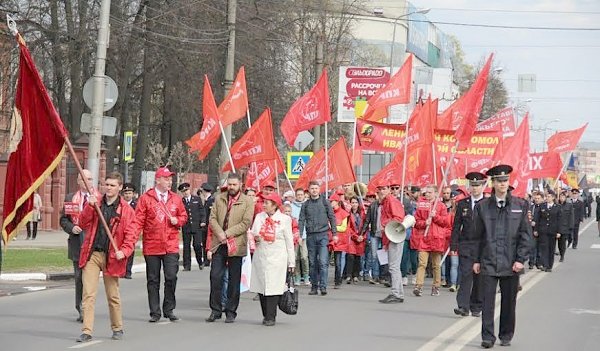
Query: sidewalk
x,y
53,239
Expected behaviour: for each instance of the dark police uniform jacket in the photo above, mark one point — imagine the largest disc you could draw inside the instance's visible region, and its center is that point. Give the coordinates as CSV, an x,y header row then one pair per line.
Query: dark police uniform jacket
x,y
577,211
463,238
503,235
567,218
196,214
547,219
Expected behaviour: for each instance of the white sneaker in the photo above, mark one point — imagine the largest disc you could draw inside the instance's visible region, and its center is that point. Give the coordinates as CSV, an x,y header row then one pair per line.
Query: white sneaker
x,y
413,280
404,281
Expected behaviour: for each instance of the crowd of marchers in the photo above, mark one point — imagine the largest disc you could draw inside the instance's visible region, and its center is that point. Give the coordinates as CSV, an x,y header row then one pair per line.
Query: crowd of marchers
x,y
468,239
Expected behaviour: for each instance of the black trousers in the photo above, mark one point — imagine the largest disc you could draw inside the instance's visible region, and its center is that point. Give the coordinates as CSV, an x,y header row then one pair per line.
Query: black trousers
x,y
575,235
203,237
130,264
170,266
220,262
32,234
550,250
544,248
78,286
509,287
468,296
269,304
195,239
562,245
352,266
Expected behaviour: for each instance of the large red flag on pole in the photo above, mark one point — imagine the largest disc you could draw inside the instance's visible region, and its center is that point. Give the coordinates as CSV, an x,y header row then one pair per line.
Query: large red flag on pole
x,y
566,140
36,144
468,114
256,145
235,104
261,172
205,139
339,172
515,152
310,110
396,91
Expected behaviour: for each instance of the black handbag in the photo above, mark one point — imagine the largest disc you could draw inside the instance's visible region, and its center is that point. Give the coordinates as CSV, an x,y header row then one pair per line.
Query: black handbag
x,y
288,303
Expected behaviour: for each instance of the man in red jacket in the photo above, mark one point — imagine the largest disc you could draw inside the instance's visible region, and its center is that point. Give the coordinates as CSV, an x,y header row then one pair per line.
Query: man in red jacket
x,y
160,214
429,237
97,255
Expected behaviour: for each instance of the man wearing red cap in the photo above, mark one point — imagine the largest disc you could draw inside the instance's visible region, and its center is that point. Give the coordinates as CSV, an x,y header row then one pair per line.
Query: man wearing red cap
x,y
160,215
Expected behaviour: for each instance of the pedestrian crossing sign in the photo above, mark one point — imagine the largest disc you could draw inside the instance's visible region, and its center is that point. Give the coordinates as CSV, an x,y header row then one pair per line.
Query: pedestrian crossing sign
x,y
296,161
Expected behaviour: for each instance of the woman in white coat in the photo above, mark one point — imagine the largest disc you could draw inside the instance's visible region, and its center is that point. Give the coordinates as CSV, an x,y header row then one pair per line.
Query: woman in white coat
x,y
273,257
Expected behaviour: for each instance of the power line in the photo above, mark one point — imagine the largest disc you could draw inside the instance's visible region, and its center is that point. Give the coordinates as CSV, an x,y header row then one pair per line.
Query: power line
x,y
505,26
507,11
533,46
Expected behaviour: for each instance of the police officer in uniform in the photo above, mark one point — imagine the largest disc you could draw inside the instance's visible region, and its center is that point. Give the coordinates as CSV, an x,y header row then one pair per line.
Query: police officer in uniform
x,y
578,210
205,193
128,192
468,297
191,229
503,232
546,229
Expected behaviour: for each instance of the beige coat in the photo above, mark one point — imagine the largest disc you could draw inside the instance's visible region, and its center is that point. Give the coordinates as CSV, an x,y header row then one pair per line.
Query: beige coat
x,y
37,208
240,220
271,259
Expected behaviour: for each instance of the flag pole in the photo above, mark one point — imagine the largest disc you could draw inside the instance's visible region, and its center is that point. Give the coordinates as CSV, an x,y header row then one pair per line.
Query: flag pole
x,y
435,180
404,158
287,177
227,146
326,162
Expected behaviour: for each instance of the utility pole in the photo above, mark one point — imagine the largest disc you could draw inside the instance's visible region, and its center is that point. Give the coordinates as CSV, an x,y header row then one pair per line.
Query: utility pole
x,y
95,137
229,71
318,70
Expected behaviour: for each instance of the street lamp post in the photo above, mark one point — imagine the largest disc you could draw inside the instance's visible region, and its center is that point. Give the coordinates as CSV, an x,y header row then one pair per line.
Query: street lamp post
x,y
520,105
545,129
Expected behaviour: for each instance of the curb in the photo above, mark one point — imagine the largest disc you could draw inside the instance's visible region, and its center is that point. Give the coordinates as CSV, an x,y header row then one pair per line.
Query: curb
x,y
136,268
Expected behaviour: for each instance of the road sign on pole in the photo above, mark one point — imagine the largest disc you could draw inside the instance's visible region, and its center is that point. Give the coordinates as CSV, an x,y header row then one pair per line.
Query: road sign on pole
x,y
296,161
128,146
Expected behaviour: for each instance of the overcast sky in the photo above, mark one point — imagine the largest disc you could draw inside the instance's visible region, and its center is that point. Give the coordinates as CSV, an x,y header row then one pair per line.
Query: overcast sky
x,y
566,62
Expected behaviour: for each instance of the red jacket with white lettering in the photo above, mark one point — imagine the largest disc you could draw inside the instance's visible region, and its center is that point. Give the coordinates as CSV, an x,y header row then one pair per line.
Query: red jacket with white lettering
x,y
89,222
160,236
437,236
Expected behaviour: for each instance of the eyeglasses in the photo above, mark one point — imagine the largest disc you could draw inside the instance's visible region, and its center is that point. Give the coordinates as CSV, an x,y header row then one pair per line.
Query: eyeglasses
x,y
395,188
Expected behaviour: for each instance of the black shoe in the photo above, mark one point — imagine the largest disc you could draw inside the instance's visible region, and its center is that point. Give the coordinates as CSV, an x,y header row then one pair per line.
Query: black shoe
x,y
461,312
201,267
84,338
229,319
562,259
213,317
154,319
323,292
548,270
80,319
475,314
392,299
530,266
269,323
574,247
127,276
313,292
486,344
336,286
117,335
172,317
186,269
504,342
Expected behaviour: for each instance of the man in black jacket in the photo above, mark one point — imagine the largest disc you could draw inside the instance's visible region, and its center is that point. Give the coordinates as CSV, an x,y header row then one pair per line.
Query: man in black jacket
x,y
546,228
191,229
565,226
503,233
128,192
578,209
468,297
206,196
316,216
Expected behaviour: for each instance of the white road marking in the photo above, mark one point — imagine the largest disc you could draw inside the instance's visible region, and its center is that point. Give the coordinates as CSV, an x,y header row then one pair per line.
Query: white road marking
x,y
595,246
34,288
474,324
85,344
583,311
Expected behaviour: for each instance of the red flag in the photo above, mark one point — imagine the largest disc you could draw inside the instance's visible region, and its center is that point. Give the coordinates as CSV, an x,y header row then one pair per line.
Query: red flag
x,y
503,120
565,141
256,145
392,170
396,91
340,169
36,145
419,166
310,110
259,173
468,114
515,152
235,104
421,124
208,135
545,164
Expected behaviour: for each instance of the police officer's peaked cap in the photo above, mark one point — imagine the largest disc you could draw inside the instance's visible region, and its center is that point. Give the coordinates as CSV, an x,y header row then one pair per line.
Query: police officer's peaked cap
x,y
476,178
183,186
128,187
499,172
207,187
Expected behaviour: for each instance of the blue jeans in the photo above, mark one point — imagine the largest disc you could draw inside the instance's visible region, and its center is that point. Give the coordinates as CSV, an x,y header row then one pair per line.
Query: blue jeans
x,y
365,261
340,264
375,244
318,259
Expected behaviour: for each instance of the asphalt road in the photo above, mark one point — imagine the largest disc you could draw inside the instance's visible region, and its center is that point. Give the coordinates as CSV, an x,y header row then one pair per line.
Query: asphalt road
x,y
555,311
